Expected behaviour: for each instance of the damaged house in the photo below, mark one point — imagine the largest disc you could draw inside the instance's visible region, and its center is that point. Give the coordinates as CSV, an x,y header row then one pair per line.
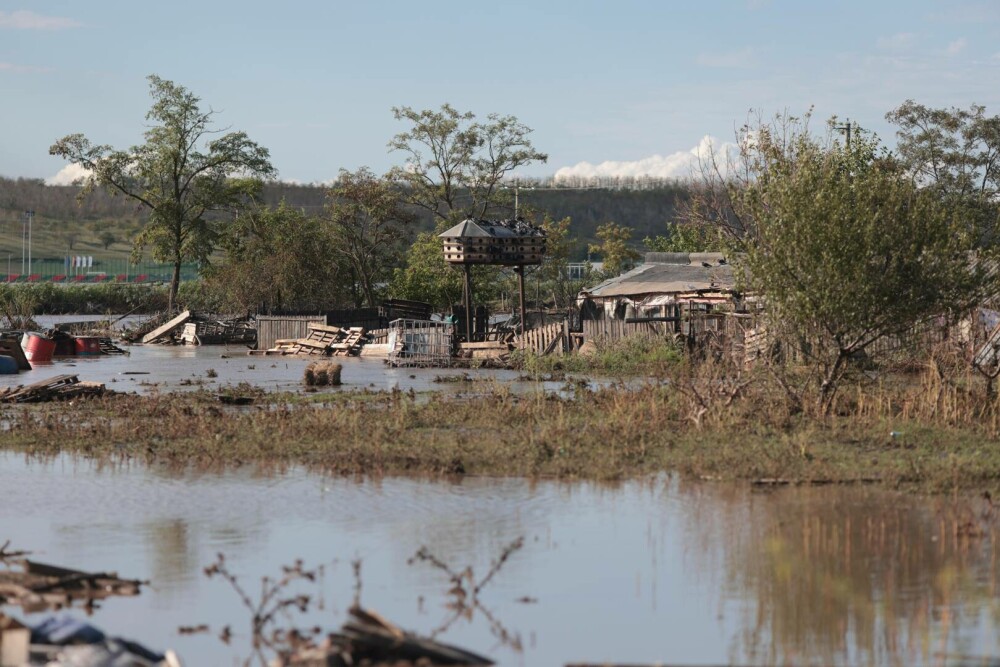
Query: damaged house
x,y
670,293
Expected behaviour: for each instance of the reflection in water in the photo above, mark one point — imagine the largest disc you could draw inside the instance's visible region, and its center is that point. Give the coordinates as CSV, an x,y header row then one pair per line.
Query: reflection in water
x,y
639,572
854,576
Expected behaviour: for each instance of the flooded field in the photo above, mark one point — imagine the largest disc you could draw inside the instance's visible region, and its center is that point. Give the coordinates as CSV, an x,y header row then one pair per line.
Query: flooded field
x,y
641,572
163,368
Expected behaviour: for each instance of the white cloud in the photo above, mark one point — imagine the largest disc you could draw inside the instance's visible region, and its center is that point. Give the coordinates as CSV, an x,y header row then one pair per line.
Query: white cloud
x,y
68,175
25,20
957,46
679,165
898,42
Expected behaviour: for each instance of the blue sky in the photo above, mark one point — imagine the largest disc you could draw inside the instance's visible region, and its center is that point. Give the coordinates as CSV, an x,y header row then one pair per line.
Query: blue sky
x,y
636,84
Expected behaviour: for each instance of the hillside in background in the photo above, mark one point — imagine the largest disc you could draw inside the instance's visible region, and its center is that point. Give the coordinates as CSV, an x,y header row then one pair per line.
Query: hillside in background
x,y
102,226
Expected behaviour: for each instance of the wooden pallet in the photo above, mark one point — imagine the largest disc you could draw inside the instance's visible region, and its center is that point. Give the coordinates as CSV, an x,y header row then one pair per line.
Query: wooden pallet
x,y
350,344
318,341
58,387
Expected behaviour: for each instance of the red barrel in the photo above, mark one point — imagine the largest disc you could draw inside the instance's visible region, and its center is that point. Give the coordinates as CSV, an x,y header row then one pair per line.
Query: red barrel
x,y
88,346
37,347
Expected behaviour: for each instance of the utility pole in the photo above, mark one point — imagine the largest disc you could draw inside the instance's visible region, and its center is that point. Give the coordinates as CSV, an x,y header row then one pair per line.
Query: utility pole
x,y
846,129
31,216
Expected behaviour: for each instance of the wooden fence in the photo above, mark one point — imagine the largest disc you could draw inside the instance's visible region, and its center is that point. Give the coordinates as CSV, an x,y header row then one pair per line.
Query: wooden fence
x,y
616,329
277,327
549,339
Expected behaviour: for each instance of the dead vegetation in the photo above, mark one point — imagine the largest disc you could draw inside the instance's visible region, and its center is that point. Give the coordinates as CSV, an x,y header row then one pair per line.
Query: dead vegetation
x,y
928,427
281,633
322,374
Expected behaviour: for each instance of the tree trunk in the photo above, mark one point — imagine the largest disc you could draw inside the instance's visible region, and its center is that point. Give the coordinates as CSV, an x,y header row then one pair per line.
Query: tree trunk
x,y
175,281
828,389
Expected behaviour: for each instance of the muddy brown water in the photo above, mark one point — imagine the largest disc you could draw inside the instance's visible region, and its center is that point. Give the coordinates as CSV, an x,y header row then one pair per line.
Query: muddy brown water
x,y
662,570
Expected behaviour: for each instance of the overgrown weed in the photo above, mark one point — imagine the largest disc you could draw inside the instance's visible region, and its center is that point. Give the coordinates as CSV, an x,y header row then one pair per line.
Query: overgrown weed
x,y
931,429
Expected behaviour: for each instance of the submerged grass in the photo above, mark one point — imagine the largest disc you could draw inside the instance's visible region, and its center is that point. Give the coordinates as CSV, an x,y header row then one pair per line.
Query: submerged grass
x,y
923,434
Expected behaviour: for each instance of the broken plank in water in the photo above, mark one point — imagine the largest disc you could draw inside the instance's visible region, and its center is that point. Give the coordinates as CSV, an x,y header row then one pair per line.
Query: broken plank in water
x,y
167,328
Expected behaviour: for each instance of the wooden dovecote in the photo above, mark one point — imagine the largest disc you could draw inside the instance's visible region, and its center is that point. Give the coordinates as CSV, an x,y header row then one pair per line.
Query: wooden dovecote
x,y
500,242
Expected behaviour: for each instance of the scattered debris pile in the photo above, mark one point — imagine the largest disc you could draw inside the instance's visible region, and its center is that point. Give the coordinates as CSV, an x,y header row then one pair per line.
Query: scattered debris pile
x,y
60,387
190,328
368,638
36,586
323,341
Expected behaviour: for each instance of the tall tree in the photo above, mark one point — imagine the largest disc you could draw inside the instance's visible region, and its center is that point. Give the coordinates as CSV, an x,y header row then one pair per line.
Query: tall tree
x,y
370,226
957,152
455,165
277,259
842,244
182,174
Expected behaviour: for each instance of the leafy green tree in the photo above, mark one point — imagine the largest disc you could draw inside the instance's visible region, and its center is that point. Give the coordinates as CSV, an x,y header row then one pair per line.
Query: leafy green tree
x,y
956,152
277,259
370,226
183,174
426,276
685,237
614,248
554,270
845,248
455,165
454,168
107,238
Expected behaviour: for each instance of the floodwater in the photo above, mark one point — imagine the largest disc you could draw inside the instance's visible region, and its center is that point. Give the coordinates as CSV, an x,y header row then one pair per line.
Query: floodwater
x,y
165,368
656,571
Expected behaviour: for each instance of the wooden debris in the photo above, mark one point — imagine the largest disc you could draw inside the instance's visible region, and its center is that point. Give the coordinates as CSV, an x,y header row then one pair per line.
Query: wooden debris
x,y
368,638
350,344
108,347
380,350
167,330
492,349
60,387
218,333
322,341
37,586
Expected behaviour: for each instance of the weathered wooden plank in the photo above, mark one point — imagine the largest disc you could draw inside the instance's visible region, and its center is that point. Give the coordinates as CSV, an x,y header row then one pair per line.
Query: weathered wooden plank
x,y
162,331
316,326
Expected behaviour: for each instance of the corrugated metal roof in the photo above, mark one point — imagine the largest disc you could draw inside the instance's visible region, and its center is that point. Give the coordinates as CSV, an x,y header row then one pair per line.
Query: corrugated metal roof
x,y
686,273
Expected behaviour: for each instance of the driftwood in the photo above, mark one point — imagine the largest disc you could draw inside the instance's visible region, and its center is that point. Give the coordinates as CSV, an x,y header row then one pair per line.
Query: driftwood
x,y
368,638
37,586
60,387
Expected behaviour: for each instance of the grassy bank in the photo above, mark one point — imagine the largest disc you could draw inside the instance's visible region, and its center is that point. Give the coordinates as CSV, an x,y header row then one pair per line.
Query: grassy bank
x,y
910,436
